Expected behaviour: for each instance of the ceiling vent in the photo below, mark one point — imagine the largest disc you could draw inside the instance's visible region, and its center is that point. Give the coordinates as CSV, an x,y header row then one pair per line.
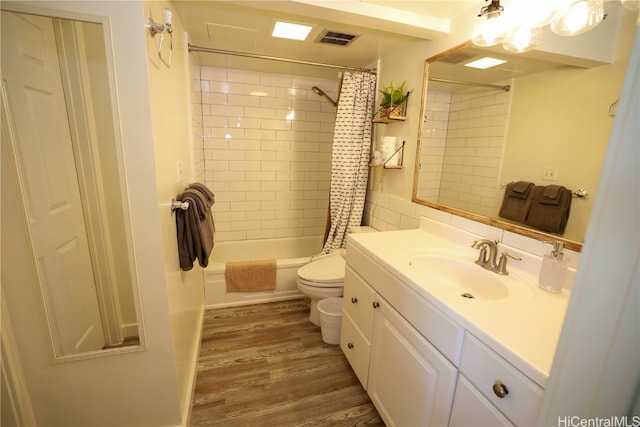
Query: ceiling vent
x,y
336,38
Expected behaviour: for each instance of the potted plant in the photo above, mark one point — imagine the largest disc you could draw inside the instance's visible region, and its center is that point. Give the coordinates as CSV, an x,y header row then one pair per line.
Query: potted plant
x,y
393,100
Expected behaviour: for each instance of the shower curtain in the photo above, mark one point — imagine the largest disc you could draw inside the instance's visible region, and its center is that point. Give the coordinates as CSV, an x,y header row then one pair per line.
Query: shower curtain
x,y
350,158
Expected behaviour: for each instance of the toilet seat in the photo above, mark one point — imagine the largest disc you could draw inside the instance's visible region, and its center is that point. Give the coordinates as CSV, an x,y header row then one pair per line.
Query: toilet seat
x,y
325,272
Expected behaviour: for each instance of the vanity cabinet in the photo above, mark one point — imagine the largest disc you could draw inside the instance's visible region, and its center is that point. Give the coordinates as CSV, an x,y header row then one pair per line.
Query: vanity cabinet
x,y
418,365
472,409
357,324
409,381
499,383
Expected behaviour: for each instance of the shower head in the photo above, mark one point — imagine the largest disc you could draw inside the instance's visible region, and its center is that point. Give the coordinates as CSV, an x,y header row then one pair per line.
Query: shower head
x,y
320,92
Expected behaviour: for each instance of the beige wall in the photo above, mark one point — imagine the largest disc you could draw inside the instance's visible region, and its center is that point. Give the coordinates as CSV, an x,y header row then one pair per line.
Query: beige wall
x,y
138,388
170,99
561,119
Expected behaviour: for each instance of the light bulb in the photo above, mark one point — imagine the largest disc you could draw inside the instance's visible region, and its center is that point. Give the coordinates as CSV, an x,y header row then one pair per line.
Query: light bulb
x,y
578,17
522,39
632,5
534,13
489,31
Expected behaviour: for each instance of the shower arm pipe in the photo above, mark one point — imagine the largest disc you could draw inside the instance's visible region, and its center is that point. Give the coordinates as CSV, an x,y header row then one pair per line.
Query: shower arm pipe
x,y
505,88
193,48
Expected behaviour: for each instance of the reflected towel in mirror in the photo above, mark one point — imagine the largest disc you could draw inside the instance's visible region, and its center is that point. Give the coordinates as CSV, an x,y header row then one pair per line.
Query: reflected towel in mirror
x,y
517,201
550,208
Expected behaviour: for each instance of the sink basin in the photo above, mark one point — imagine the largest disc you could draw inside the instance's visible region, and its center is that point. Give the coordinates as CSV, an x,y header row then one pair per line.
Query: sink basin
x,y
461,276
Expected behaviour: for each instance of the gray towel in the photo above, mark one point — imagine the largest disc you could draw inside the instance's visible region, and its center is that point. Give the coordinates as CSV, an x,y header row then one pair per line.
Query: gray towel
x,y
550,208
194,227
517,201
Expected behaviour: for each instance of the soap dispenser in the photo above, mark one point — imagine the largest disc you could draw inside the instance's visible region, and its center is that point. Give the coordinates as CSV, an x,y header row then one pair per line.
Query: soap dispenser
x,y
554,269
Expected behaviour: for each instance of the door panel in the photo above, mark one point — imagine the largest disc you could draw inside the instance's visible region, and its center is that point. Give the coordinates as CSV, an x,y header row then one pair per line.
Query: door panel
x,y
44,159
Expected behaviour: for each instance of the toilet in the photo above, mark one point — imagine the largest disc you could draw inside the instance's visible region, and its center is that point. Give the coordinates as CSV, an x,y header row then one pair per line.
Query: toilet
x,y
323,277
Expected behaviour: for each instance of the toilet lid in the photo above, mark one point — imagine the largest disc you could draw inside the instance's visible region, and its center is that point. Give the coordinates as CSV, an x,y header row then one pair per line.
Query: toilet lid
x,y
325,270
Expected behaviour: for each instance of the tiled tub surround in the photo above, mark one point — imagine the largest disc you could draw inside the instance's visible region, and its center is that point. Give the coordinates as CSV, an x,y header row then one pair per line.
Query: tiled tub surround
x,y
266,146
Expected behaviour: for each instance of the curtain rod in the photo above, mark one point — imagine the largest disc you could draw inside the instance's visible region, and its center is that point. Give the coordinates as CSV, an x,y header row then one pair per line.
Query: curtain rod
x,y
193,48
505,88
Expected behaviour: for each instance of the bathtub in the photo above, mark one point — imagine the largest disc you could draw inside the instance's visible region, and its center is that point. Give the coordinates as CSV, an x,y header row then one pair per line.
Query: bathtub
x,y
290,253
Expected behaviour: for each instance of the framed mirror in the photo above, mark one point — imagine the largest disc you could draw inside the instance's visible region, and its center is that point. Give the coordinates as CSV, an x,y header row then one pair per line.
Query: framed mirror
x,y
63,149
528,119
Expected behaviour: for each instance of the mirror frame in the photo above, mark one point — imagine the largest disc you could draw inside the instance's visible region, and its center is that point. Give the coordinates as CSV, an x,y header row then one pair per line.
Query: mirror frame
x,y
507,226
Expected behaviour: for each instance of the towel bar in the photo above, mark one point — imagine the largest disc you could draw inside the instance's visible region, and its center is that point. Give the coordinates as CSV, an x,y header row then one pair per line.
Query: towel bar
x,y
580,193
176,204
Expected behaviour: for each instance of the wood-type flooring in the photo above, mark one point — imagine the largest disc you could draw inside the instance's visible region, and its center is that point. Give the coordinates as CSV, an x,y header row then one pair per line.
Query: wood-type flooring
x,y
266,365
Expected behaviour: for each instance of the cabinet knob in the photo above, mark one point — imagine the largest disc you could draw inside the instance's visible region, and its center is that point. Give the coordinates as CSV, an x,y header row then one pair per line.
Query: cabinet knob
x,y
376,304
500,389
354,300
350,345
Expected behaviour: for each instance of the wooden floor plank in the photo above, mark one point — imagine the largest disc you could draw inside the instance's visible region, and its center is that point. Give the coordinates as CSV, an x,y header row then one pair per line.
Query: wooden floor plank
x,y
266,365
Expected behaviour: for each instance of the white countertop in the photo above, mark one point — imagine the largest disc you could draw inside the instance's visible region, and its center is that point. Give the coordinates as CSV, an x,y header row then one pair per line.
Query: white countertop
x,y
523,328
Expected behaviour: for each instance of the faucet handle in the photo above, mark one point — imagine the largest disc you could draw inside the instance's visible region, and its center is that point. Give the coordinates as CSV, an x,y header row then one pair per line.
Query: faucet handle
x,y
502,264
482,257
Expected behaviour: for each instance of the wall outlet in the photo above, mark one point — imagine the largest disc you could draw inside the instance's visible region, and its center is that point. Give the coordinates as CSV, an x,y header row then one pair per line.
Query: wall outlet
x,y
550,173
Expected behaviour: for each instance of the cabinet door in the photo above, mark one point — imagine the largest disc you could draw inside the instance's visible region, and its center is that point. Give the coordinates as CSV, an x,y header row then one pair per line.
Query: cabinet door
x,y
410,382
471,409
356,348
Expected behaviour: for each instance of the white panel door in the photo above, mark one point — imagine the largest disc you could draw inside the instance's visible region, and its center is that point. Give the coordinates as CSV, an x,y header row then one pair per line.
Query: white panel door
x,y
45,162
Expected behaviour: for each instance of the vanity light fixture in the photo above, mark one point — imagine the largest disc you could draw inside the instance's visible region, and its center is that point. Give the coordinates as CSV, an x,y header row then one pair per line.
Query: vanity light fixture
x,y
519,28
484,63
288,30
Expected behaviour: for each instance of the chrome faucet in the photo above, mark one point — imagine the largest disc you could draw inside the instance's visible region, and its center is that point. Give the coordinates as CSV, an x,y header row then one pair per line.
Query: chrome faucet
x,y
488,260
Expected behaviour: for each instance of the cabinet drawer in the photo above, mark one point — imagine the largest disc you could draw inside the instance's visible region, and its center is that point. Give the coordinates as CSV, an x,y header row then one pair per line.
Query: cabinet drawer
x,y
358,301
356,348
485,368
472,409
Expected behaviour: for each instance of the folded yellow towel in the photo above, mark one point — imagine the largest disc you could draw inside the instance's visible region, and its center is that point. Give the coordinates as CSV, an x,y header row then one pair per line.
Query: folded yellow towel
x,y
249,276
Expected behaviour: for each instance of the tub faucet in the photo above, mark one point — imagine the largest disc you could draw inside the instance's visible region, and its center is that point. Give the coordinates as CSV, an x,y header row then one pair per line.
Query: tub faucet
x,y
486,260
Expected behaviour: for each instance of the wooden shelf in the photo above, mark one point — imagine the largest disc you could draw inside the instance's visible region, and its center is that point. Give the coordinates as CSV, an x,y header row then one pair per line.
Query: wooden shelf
x,y
389,119
393,113
385,167
384,164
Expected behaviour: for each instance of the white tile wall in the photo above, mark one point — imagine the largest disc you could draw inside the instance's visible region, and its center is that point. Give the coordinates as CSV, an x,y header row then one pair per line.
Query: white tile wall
x,y
266,149
196,118
475,143
432,146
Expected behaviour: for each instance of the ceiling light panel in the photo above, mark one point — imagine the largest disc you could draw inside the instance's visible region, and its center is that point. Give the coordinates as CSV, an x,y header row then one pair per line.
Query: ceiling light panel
x,y
484,63
288,30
